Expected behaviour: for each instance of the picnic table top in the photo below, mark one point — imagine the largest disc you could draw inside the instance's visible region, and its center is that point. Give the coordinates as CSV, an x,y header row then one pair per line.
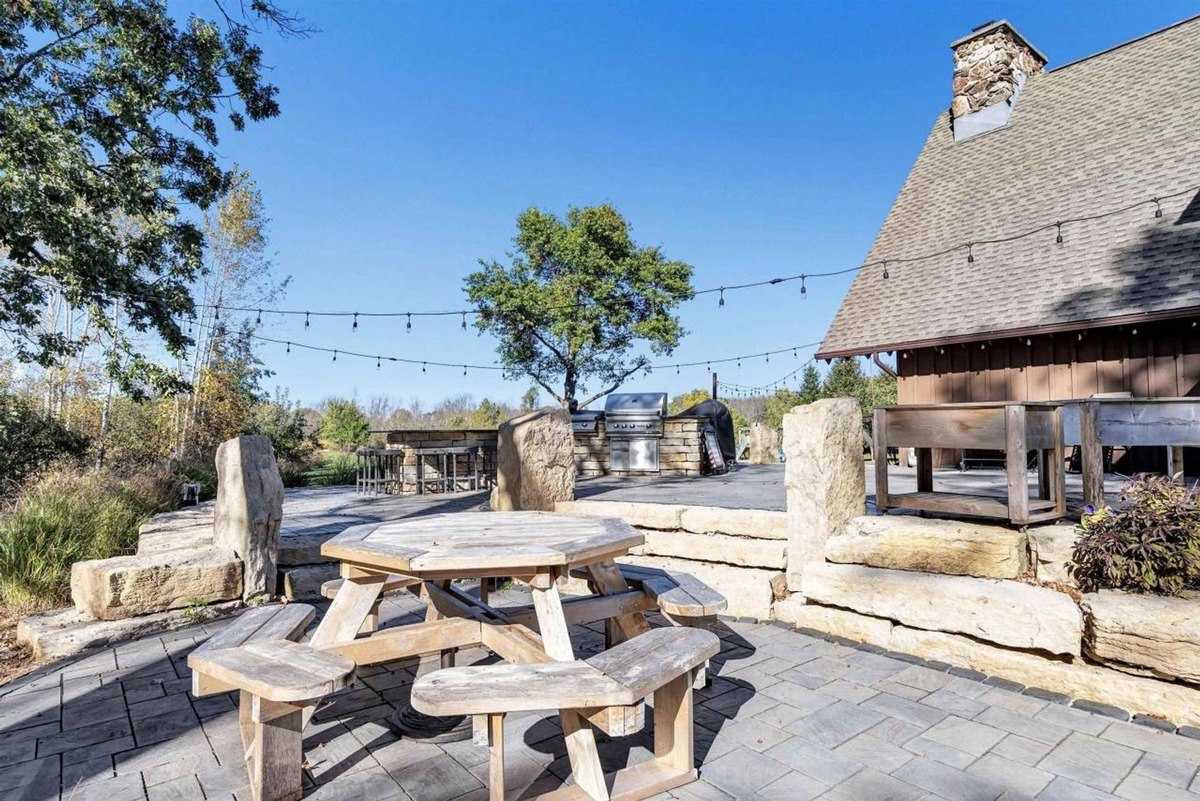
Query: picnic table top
x,y
467,543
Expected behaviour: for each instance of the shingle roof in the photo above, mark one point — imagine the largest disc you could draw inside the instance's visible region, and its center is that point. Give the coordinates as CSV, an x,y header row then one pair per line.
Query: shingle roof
x,y
1108,131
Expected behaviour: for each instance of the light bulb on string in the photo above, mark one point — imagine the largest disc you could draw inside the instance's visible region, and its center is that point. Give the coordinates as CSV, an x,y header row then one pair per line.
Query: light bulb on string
x,y
885,270
721,302
306,321
803,288
335,355
354,326
217,312
464,369
422,367
408,327
1058,239
289,347
464,321
377,361
970,254
1157,209
258,319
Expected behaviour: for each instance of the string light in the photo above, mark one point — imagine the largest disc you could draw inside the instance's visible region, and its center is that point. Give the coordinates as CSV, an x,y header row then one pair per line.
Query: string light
x,y
1157,209
289,347
970,255
306,321
217,312
408,327
1058,239
721,303
885,270
258,319
354,327
377,361
803,288
464,321
335,355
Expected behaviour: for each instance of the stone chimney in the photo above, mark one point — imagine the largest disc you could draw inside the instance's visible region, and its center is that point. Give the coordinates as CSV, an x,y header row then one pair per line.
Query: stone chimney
x,y
991,65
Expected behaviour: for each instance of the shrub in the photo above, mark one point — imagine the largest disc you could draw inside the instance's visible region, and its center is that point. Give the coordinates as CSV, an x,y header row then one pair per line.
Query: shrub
x,y
30,441
337,470
64,517
1149,543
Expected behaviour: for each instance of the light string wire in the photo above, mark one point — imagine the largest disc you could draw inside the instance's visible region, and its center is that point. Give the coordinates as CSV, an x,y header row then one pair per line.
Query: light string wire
x,y
1056,226
777,384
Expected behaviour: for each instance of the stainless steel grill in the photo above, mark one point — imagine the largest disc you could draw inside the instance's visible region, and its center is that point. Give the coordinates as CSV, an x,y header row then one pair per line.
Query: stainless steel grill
x,y
633,422
586,421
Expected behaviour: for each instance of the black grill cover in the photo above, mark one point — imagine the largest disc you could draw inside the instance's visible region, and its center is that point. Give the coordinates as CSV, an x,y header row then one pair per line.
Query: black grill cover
x,y
722,421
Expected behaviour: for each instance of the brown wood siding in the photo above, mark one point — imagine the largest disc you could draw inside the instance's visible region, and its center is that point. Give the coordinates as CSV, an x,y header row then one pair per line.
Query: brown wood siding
x,y
1161,360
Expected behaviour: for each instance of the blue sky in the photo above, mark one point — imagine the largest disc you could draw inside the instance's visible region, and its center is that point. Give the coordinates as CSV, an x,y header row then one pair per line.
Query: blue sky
x,y
751,140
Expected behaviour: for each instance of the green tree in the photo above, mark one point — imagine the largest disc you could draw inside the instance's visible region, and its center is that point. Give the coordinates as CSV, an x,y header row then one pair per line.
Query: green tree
x,y
810,385
846,379
529,401
779,404
576,298
284,423
489,414
31,440
109,110
343,424
686,400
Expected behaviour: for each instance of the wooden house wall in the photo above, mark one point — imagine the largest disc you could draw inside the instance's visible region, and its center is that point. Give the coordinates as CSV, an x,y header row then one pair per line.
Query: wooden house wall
x,y
1160,360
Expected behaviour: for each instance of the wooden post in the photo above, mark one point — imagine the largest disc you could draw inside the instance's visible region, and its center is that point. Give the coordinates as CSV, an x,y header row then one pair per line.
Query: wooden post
x,y
673,724
274,747
1091,453
495,743
1015,454
1057,478
879,434
924,469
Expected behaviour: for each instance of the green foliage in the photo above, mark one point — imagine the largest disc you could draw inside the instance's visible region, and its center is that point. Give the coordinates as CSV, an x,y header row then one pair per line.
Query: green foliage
x,y
109,116
779,404
488,414
284,423
687,400
529,401
810,386
343,424
1149,543
575,299
335,470
846,380
65,517
30,440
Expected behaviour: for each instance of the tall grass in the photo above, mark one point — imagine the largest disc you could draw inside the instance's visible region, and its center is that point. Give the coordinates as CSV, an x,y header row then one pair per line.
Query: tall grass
x,y
335,470
65,517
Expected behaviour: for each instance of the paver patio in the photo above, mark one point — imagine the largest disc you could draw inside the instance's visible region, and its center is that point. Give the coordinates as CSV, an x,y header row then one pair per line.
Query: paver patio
x,y
789,715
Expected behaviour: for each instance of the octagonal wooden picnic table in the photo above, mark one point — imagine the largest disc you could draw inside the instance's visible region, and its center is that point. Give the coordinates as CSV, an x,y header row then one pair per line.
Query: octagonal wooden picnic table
x,y
535,547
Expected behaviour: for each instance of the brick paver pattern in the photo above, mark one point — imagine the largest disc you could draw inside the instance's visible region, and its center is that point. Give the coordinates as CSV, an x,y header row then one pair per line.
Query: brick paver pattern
x,y
787,716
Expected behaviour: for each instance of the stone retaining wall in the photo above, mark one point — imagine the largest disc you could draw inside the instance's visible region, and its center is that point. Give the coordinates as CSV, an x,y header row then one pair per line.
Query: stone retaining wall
x,y
679,451
740,553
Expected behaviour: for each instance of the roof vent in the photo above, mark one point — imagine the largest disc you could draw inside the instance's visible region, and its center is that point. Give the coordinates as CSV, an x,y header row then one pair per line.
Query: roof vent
x,y
991,65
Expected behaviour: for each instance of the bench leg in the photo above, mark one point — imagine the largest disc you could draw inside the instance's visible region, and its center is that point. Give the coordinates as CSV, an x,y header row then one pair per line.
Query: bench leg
x,y
370,623
702,679
274,747
673,724
495,737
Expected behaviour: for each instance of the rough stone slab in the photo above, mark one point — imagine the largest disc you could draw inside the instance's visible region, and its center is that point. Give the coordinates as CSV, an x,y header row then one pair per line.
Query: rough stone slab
x,y
1005,612
187,528
824,478
535,462
302,549
1053,548
249,509
1159,634
754,523
303,583
125,586
851,625
643,515
1172,701
763,445
908,542
750,591
59,633
738,551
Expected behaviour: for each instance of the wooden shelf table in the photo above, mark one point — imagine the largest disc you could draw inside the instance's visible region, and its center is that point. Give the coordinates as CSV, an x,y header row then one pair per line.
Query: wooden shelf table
x,y
536,547
1012,427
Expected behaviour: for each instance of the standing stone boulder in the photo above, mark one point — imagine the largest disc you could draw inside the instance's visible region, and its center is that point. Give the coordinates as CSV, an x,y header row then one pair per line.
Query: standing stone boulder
x,y
249,509
535,462
825,478
1053,550
1157,634
763,447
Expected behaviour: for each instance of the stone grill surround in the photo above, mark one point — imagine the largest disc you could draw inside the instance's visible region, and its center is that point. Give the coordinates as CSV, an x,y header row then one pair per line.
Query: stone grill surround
x,y
679,451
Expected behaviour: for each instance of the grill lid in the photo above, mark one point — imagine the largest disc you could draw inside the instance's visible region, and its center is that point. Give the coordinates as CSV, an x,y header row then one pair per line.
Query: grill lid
x,y
636,404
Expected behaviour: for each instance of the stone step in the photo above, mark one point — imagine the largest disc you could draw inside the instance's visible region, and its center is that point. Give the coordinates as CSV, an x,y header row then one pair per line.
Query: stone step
x,y
126,586
740,551
1159,635
1005,612
908,542
60,633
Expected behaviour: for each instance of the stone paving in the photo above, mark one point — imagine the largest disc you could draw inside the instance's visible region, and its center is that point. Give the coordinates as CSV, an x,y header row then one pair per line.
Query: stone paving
x,y
789,715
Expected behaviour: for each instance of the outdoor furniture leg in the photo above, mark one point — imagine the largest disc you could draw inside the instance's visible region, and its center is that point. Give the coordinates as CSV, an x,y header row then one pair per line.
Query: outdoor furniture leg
x,y
673,745
924,469
274,747
1058,475
879,433
580,738
1018,472
1091,458
495,743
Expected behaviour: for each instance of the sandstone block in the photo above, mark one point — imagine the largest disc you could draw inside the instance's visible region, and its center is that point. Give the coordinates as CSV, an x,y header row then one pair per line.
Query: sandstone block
x,y
758,523
249,509
126,586
1053,549
750,591
1173,701
1005,612
825,480
763,445
535,462
907,542
643,515
739,551
851,625
59,633
1159,634
303,583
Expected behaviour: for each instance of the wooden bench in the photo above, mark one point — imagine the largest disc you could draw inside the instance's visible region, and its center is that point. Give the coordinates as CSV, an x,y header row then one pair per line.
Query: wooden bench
x,y
394,585
682,598
277,679
660,662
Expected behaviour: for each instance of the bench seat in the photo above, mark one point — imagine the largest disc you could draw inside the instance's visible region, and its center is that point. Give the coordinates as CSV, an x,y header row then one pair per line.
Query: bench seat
x,y
259,624
661,661
677,594
277,670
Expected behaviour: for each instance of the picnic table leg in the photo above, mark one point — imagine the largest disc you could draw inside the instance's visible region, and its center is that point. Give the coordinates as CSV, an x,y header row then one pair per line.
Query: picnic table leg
x,y
556,639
